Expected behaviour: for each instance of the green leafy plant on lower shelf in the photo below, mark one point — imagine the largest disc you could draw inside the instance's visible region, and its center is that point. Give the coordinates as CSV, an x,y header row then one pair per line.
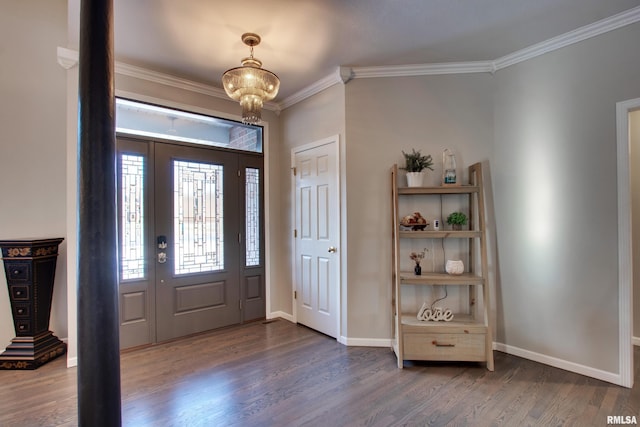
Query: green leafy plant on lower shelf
x,y
457,218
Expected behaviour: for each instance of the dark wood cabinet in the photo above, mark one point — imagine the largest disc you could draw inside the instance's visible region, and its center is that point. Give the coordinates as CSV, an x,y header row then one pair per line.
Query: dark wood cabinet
x,y
30,267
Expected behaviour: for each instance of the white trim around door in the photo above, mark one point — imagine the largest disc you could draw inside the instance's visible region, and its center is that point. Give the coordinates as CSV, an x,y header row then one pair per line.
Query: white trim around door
x,y
333,141
625,266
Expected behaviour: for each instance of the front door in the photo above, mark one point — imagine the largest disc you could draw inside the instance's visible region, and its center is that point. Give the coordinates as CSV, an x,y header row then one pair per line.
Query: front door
x,y
197,240
317,213
189,260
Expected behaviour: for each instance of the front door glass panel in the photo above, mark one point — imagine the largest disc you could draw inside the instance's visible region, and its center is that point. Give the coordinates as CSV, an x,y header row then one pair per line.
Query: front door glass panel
x,y
252,215
198,217
132,217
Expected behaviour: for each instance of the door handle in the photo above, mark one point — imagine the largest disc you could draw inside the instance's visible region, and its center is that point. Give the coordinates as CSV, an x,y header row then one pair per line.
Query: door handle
x,y
332,249
162,245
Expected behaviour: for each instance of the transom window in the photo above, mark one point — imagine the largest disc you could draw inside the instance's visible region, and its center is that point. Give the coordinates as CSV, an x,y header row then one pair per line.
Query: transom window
x,y
138,118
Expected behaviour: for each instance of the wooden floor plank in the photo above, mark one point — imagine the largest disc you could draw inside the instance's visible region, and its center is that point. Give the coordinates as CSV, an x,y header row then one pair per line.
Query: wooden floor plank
x,y
281,374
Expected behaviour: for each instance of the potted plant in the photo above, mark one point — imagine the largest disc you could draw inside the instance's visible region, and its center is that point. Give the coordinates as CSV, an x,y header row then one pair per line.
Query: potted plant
x,y
415,163
456,220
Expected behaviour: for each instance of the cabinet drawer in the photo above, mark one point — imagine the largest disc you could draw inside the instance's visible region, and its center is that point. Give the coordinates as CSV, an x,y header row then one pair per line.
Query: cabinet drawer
x,y
18,272
434,346
23,327
19,293
21,310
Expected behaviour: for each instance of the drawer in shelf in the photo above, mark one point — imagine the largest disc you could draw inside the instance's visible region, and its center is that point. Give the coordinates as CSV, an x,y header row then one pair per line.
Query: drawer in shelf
x,y
464,234
432,346
409,278
19,293
23,327
18,272
21,310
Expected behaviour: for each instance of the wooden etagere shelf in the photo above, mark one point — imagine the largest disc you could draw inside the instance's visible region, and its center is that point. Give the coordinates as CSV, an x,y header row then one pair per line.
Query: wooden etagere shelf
x,y
409,278
468,336
439,234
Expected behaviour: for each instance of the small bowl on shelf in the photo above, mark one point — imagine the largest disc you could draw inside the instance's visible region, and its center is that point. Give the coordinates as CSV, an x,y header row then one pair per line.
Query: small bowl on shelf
x,y
415,222
406,226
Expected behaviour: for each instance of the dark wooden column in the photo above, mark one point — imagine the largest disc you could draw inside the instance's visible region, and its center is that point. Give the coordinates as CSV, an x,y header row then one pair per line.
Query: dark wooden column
x,y
98,340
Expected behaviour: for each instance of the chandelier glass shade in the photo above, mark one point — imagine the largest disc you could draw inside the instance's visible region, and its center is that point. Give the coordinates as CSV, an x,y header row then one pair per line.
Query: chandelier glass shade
x,y
250,84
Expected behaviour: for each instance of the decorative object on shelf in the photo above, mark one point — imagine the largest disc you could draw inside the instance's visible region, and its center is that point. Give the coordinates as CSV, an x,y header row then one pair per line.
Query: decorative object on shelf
x,y
415,222
436,225
415,163
251,84
437,314
449,169
454,267
30,267
417,257
456,220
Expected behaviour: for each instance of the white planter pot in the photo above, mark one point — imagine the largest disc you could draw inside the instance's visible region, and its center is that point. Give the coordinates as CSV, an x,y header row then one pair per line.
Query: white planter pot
x,y
414,179
454,268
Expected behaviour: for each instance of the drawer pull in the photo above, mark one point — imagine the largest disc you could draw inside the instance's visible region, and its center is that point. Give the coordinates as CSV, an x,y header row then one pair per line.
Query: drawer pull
x,y
437,344
16,272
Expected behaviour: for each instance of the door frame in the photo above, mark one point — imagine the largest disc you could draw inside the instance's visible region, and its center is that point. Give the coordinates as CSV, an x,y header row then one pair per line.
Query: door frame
x,y
625,264
335,140
72,184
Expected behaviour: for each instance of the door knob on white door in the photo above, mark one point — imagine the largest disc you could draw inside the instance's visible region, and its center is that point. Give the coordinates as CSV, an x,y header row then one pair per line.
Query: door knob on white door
x,y
333,249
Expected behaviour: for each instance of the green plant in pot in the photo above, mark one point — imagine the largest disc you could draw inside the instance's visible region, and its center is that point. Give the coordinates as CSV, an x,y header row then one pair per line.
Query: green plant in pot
x,y
415,163
457,220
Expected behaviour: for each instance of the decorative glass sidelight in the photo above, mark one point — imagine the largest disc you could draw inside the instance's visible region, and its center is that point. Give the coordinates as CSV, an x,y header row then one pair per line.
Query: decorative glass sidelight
x,y
198,217
132,217
252,223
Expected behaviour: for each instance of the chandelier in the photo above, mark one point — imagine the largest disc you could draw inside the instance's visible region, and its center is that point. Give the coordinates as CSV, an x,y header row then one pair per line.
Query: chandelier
x,y
251,84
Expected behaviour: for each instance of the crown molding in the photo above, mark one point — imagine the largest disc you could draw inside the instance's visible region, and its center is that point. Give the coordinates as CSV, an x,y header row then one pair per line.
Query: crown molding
x,y
168,80
341,75
423,69
69,58
588,31
345,74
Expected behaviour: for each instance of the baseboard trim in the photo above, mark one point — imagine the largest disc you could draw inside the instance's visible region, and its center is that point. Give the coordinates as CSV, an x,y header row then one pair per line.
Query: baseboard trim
x,y
365,342
588,371
281,315
72,362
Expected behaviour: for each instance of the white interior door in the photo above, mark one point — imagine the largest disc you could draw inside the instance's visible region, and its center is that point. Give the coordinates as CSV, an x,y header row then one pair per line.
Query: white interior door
x,y
317,257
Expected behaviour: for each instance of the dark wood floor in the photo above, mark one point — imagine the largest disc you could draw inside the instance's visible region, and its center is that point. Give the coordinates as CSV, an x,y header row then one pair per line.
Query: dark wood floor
x,y
280,374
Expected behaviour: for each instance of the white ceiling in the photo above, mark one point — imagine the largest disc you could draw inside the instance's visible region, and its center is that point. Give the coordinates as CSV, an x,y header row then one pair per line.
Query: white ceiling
x,y
304,41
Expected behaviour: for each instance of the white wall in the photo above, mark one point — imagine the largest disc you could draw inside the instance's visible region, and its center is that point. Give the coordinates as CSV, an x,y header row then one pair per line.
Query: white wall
x,y
32,139
554,176
312,119
383,117
634,142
